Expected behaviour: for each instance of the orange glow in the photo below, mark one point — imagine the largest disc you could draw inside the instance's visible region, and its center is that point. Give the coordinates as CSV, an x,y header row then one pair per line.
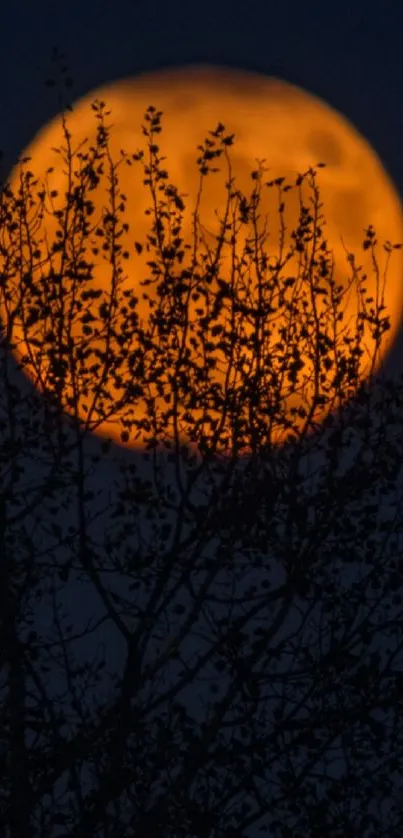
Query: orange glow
x,y
271,120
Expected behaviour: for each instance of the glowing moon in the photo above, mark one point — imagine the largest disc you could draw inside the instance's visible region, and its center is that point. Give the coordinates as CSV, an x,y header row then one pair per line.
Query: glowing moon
x,y
272,120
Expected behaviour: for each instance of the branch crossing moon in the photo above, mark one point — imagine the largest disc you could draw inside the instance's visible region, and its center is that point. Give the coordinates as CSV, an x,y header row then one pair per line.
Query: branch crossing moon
x,y
288,128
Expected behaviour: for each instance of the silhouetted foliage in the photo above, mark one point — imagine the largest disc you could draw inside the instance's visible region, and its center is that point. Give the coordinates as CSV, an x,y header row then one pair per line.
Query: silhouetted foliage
x,y
257,595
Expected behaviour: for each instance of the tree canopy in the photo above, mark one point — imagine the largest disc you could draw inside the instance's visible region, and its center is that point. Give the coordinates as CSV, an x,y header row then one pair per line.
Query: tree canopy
x,y
254,587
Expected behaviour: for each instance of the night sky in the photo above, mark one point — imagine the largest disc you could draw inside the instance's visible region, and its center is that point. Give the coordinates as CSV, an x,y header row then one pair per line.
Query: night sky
x,y
349,54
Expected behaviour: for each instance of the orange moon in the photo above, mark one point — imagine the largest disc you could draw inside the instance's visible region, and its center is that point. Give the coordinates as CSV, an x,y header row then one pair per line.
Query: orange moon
x,y
288,128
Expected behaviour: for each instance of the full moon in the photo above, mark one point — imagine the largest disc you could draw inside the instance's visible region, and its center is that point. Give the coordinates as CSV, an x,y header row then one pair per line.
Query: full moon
x,y
272,121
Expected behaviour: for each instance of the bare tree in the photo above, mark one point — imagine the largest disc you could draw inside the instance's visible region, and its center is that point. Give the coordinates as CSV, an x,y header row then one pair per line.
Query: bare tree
x,y
256,594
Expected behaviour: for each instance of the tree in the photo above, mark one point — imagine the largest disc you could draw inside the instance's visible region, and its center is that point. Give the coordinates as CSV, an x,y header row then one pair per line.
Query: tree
x,y
256,596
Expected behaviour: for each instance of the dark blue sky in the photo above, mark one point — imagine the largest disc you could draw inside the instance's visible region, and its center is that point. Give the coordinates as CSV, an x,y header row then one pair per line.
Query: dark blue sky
x,y
349,53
